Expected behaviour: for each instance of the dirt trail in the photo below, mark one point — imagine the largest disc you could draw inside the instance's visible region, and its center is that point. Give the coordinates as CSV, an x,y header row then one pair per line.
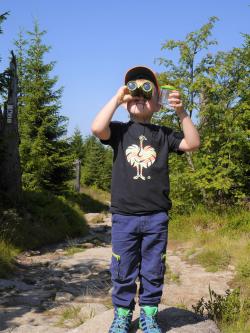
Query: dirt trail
x,y
55,292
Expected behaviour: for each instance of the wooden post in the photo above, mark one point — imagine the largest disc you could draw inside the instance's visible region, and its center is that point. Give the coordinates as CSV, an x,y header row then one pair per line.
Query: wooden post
x,y
10,170
77,185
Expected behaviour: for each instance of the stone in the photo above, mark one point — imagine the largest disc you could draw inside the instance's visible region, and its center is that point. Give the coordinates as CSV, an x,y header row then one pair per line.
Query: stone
x,y
172,320
59,251
35,329
63,297
85,271
94,217
88,245
10,284
32,298
100,229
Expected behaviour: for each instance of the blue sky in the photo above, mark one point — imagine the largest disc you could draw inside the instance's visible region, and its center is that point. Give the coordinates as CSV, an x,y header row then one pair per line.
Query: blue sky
x,y
95,42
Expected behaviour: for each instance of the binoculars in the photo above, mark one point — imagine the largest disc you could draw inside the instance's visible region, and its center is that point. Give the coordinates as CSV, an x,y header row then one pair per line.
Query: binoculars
x,y
145,90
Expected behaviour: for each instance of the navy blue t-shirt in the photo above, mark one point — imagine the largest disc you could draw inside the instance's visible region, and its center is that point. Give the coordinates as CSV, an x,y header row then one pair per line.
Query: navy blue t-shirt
x,y
140,175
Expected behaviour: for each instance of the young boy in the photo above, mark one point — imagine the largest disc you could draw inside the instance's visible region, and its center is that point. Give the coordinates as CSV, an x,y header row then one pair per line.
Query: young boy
x,y
140,195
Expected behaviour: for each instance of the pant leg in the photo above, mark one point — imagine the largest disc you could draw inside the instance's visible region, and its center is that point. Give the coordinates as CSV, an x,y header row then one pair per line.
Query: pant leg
x,y
126,241
153,252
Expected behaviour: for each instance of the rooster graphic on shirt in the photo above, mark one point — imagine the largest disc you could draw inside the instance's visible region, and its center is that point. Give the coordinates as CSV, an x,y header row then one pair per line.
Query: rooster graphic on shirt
x,y
140,157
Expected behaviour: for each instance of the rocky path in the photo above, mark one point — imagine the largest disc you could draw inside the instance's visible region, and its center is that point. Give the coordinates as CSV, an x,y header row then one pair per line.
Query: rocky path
x,y
66,288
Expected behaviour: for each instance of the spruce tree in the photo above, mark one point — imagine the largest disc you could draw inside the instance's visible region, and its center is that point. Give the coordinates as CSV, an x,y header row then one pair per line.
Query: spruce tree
x,y
77,145
92,173
107,169
45,152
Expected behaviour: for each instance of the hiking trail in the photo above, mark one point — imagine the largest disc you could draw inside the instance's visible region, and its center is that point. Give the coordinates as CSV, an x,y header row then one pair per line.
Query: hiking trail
x,y
54,291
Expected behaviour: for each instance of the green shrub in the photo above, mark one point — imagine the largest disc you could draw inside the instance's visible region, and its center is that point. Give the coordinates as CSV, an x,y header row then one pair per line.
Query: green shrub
x,y
224,310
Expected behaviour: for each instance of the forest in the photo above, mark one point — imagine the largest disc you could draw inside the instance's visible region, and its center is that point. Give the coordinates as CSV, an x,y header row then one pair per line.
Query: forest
x,y
209,187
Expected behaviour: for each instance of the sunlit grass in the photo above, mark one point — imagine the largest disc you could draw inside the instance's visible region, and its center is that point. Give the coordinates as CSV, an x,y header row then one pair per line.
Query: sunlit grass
x,y
7,255
217,240
171,276
72,250
96,194
70,317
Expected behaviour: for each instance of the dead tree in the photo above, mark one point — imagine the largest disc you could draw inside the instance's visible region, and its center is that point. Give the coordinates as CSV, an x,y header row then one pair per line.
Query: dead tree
x,y
77,185
10,170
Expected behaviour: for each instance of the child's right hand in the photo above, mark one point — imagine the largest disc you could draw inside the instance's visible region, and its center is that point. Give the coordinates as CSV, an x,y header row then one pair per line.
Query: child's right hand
x,y
123,95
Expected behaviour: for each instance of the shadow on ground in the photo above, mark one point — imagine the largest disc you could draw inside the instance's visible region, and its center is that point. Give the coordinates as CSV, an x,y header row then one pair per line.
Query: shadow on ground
x,y
173,318
37,284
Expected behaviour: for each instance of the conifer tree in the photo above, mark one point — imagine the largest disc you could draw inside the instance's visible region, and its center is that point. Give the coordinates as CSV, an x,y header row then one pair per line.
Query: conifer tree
x,y
107,169
97,164
77,145
45,152
93,162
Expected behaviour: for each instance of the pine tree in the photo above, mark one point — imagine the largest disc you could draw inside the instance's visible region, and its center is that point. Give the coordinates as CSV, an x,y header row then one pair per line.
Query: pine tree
x,y
45,152
107,169
97,164
77,145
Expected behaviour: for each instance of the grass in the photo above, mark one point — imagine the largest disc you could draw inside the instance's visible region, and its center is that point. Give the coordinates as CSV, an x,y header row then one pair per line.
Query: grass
x,y
96,194
212,259
43,218
218,239
70,317
74,316
171,276
181,305
39,219
72,250
7,255
90,200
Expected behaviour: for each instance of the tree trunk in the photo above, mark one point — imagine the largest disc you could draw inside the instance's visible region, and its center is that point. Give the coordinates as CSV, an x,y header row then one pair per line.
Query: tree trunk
x,y
10,170
77,185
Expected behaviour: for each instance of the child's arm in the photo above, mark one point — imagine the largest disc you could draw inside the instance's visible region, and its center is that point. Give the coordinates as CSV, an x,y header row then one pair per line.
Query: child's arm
x,y
191,140
100,125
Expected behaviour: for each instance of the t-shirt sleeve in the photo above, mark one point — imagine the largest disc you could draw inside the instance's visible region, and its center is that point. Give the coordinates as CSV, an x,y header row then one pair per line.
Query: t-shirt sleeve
x,y
115,130
174,140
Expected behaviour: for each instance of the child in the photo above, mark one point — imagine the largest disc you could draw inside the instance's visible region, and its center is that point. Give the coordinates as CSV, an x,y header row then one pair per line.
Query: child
x,y
139,196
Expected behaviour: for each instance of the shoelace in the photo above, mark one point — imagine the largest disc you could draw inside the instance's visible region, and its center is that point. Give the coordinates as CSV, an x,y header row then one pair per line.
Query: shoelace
x,y
152,323
120,322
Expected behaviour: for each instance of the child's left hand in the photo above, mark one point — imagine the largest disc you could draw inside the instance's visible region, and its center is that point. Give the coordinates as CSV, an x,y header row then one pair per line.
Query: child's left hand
x,y
175,101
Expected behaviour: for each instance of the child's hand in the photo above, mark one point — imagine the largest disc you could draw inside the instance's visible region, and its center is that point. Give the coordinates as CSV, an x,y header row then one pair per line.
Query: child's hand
x,y
123,95
175,101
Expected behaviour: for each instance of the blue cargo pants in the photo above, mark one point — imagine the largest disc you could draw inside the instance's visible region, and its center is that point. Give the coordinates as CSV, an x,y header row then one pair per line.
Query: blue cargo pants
x,y
138,250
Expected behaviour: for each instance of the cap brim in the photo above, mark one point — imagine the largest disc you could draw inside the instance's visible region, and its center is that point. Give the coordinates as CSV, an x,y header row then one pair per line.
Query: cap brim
x,y
141,72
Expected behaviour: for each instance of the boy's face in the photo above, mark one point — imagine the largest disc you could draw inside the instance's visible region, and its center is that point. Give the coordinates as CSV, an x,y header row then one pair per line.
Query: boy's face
x,y
141,107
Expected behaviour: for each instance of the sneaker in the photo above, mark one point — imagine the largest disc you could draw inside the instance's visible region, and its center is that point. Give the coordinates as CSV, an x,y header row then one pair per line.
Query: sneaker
x,y
122,321
148,319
